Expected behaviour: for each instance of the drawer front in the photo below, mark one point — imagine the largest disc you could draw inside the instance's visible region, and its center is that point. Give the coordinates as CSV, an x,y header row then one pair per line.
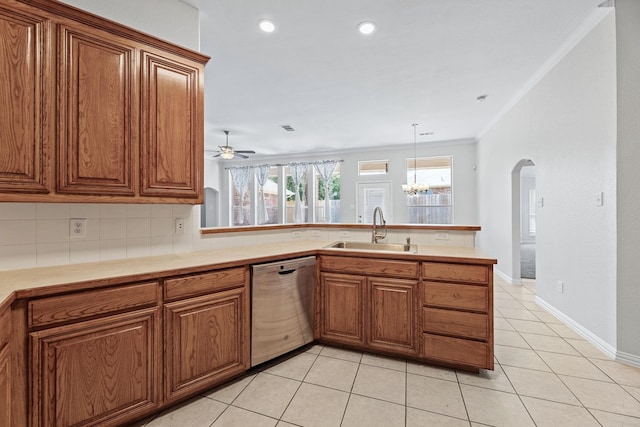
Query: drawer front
x,y
449,295
370,266
91,303
455,272
449,322
457,350
199,284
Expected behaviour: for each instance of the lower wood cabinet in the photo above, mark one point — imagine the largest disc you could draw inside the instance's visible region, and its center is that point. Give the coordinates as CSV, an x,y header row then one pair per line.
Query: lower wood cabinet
x,y
370,312
205,341
393,321
99,372
342,300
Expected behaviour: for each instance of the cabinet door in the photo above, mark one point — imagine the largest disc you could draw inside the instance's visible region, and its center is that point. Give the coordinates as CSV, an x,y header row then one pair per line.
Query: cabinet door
x,y
98,114
5,386
206,342
342,299
99,371
26,95
172,130
393,323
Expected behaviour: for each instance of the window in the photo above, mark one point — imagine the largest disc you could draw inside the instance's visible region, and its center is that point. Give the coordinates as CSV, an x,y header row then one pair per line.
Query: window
x,y
435,205
296,197
333,198
271,194
373,167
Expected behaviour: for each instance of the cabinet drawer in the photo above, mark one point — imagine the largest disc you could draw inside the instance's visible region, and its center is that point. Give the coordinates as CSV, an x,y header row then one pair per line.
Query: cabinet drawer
x,y
449,322
370,266
457,350
199,284
450,295
455,272
91,303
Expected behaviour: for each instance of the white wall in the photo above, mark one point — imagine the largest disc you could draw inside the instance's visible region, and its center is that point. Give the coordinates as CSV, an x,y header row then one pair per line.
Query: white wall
x,y
628,197
566,124
178,23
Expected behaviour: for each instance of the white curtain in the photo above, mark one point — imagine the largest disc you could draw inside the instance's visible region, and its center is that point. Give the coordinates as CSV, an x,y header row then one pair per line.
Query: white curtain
x,y
325,170
298,171
240,178
262,174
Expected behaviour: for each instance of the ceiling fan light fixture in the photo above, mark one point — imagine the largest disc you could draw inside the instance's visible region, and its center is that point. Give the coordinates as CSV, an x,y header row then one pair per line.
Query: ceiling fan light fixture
x,y
227,155
266,25
367,27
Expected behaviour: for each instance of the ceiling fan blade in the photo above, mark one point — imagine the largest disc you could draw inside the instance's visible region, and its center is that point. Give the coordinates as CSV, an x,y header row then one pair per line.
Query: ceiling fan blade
x,y
245,151
236,153
217,155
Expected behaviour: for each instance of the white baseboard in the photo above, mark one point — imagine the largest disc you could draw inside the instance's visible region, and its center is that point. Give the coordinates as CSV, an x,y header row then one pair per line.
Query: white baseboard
x,y
506,278
628,358
609,350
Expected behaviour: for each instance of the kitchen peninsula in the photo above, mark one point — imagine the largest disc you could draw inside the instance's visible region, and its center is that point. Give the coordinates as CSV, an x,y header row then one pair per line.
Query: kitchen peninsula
x,y
71,335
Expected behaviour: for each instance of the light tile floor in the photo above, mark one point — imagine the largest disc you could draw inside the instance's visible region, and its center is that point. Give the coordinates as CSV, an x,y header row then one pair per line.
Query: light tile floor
x,y
545,375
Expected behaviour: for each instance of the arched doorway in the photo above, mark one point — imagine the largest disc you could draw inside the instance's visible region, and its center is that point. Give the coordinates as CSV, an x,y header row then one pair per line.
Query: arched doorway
x,y
523,227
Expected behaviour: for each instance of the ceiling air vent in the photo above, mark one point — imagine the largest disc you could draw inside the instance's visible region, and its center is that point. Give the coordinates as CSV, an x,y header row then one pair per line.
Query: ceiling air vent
x,y
288,128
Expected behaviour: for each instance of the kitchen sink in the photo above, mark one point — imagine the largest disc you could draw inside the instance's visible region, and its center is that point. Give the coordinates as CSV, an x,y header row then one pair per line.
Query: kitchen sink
x,y
389,247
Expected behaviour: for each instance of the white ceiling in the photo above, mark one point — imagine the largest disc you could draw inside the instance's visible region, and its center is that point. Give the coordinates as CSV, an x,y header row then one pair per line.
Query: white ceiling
x,y
426,63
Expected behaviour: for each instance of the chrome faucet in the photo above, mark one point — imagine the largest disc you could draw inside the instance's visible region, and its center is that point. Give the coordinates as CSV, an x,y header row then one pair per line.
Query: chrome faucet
x,y
375,234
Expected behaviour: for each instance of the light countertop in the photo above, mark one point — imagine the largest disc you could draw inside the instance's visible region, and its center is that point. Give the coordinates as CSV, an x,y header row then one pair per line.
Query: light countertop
x,y
33,281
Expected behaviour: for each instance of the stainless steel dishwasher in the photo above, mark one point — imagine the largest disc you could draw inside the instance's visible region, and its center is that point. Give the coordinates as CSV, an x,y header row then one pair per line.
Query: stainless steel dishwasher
x,y
281,307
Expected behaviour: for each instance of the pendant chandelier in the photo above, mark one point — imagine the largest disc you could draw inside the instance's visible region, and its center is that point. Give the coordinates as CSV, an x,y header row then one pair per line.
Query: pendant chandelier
x,y
415,188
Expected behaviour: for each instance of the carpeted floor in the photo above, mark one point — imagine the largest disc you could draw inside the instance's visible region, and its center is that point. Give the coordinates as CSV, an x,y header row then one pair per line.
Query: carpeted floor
x,y
528,260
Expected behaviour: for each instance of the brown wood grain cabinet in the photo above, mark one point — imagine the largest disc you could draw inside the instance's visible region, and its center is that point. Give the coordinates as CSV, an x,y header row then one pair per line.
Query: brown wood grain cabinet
x,y
97,372
393,321
439,312
376,311
457,313
98,104
97,112
342,308
205,342
26,96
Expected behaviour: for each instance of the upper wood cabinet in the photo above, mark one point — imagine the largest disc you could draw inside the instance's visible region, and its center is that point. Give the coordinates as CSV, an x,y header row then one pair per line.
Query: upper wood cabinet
x,y
119,118
98,126
25,96
171,116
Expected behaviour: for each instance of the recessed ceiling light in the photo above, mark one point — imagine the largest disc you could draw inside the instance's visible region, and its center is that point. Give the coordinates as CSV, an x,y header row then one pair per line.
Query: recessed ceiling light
x,y
266,26
367,27
482,98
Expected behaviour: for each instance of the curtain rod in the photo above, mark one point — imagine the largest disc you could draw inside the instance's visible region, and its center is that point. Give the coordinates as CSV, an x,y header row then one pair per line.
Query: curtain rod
x,y
285,164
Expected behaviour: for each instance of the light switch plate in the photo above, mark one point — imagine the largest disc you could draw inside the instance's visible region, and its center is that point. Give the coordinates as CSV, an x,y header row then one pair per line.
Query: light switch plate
x,y
599,199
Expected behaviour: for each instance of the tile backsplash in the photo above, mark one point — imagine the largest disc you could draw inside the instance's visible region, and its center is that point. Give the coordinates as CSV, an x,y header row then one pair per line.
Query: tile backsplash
x,y
37,234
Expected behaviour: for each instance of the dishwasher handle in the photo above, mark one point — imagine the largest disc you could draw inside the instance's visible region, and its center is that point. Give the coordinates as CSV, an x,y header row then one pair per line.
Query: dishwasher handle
x,y
285,272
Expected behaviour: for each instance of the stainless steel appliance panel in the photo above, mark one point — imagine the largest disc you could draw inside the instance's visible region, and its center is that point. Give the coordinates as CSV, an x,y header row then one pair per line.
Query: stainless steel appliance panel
x,y
281,307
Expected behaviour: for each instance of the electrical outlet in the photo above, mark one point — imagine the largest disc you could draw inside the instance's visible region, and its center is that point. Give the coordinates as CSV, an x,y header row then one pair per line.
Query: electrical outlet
x,y
179,225
296,234
560,287
344,234
315,233
78,228
443,235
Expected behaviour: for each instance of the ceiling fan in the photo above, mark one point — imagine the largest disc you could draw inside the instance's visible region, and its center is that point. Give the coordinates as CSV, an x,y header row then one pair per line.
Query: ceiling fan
x,y
227,152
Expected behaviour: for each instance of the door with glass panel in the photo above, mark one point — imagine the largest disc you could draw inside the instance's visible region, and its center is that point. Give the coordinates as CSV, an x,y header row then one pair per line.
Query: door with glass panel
x,y
371,195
